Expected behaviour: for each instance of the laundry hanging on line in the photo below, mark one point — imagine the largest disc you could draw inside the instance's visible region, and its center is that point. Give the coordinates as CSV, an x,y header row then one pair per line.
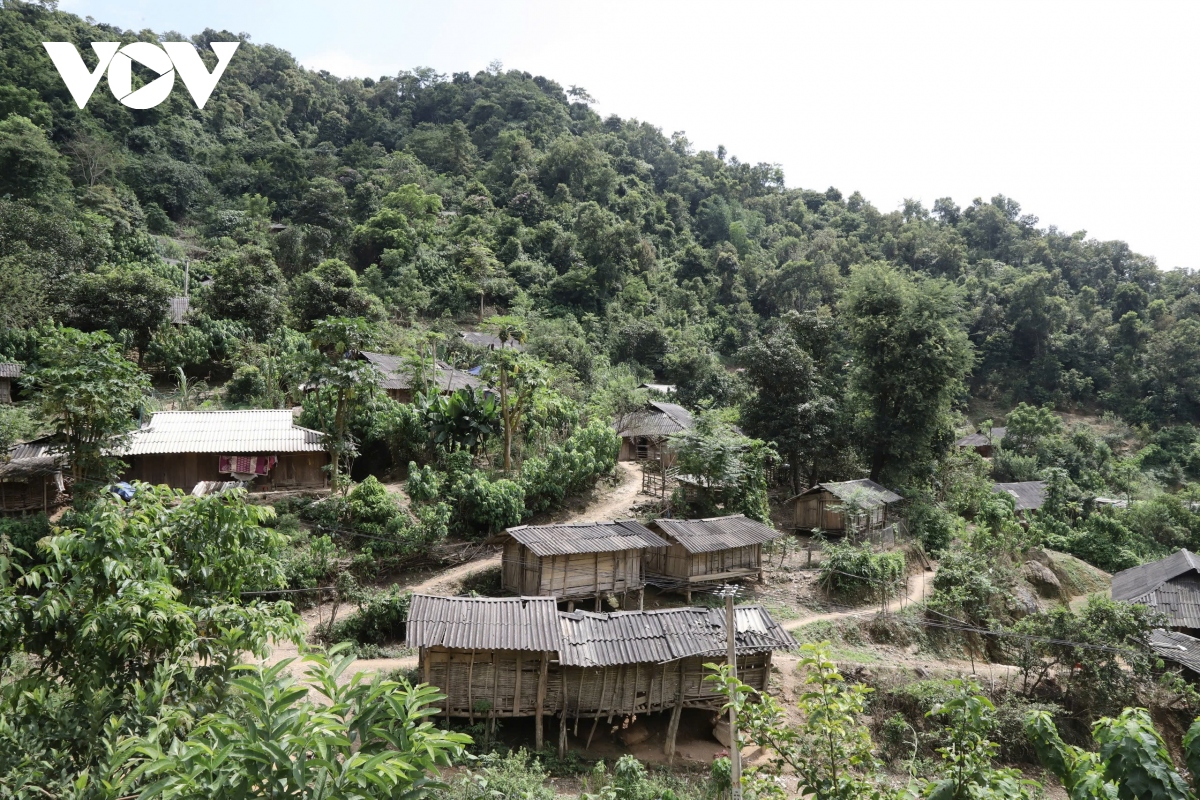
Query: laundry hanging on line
x,y
247,465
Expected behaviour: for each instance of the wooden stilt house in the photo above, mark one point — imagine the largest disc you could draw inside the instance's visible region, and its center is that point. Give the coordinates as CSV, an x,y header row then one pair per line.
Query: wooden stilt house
x,y
713,550
861,508
644,433
520,657
577,561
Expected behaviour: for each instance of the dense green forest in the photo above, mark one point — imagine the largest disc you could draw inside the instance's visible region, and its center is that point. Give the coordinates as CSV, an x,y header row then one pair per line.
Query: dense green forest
x,y
815,337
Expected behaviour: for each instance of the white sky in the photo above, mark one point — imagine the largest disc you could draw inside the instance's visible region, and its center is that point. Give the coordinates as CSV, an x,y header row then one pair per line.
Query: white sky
x,y
1084,112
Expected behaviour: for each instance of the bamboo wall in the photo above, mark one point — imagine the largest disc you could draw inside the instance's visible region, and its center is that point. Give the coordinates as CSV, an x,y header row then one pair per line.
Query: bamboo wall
x,y
185,470
676,562
572,576
35,494
483,683
641,448
5,390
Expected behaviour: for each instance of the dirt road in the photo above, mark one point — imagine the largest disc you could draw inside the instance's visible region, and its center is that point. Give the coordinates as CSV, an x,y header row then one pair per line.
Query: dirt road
x,y
920,586
605,503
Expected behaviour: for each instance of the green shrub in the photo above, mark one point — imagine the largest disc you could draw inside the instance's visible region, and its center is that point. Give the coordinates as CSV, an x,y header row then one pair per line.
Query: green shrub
x,y
379,619
371,507
486,505
858,572
516,775
23,533
246,386
933,526
424,483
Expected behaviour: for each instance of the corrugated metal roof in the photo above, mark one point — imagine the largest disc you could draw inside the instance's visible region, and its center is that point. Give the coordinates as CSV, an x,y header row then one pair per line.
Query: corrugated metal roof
x,y
980,439
9,369
1179,600
484,623
31,460
657,419
179,310
253,431
1178,647
1130,584
586,537
715,533
665,388
1030,495
875,495
398,375
632,637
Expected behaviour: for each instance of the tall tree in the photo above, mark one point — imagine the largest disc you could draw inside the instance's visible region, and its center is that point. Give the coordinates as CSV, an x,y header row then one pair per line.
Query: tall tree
x,y
345,379
88,391
910,355
514,375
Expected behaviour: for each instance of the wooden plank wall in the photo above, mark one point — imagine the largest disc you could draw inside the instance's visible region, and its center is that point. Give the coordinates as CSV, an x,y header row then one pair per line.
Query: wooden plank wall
x,y
36,494
185,470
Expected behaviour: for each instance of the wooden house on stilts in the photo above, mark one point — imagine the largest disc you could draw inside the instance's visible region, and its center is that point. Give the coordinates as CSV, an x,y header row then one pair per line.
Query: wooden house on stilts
x,y
706,551
577,561
521,657
862,509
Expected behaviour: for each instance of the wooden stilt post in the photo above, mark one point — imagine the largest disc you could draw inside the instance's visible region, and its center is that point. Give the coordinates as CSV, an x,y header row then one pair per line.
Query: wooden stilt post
x,y
673,727
517,687
642,599
562,733
543,672
735,757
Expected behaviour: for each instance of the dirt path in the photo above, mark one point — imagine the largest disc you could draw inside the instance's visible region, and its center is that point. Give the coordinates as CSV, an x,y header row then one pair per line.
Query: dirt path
x,y
613,503
920,586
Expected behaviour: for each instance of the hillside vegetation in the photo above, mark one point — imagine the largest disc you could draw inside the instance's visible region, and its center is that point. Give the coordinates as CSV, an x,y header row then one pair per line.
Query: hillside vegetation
x,y
310,218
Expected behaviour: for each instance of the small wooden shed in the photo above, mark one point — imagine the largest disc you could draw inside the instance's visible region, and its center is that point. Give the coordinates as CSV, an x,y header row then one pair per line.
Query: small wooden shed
x,y
263,447
1027,495
576,561
823,507
982,442
9,372
644,433
397,377
31,478
713,550
520,657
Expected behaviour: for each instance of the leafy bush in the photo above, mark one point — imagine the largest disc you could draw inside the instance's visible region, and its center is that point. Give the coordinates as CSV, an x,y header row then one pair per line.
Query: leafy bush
x,y
858,571
932,524
516,775
371,508
970,585
23,533
424,483
486,505
246,386
379,619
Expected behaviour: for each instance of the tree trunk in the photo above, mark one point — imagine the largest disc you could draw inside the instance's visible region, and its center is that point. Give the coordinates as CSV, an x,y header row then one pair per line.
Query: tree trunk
x,y
507,416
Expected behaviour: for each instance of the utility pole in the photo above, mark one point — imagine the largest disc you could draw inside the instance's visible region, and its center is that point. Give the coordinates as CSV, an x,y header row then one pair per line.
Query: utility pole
x,y
735,757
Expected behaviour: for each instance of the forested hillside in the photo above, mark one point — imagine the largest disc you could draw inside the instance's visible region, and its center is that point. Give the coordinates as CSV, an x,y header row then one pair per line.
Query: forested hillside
x,y
316,228
416,196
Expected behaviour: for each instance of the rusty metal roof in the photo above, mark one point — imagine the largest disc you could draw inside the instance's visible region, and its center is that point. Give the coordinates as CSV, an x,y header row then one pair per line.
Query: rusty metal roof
x,y
253,431
633,637
715,533
1029,495
484,623
10,369
657,419
398,375
1176,646
586,537
874,494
